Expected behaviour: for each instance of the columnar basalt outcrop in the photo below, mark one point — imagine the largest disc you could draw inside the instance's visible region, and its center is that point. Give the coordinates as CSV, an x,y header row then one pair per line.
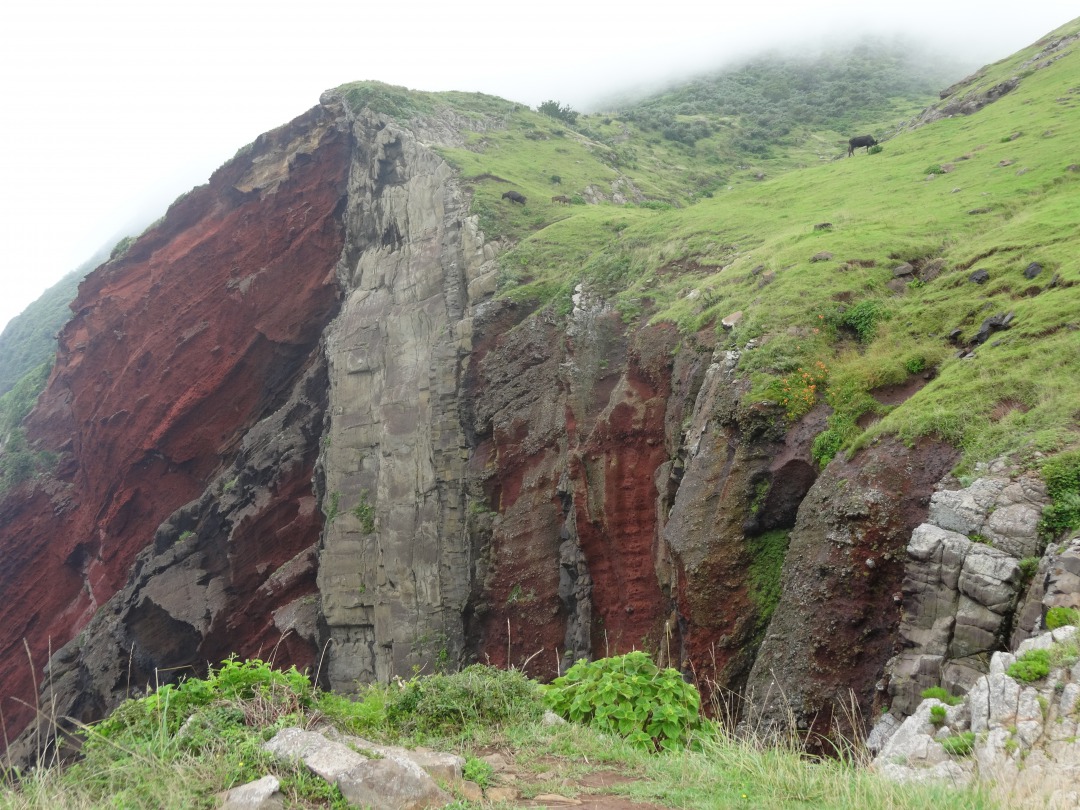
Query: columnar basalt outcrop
x,y
176,349
963,583
394,569
1014,729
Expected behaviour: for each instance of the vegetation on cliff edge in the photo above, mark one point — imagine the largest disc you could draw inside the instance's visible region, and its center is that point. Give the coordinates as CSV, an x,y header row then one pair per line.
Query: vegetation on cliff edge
x,y
855,276
180,745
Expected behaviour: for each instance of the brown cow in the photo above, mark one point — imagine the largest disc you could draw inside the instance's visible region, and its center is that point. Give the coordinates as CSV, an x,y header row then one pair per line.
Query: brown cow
x,y
561,198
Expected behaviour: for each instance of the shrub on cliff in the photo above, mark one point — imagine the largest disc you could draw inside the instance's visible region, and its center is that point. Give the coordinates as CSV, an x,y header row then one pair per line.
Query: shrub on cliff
x,y
1062,476
1061,616
1031,666
478,696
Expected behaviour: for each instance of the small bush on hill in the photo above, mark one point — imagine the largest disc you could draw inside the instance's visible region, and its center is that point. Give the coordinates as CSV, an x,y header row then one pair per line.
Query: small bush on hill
x,y
450,704
561,111
939,693
863,319
1031,666
1060,616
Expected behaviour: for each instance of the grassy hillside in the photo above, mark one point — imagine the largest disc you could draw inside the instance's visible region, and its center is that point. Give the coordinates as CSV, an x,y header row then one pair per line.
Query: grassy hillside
x,y
29,339
996,190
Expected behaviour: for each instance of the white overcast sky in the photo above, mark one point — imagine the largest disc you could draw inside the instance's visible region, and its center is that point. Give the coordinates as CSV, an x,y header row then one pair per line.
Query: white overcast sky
x,y
110,108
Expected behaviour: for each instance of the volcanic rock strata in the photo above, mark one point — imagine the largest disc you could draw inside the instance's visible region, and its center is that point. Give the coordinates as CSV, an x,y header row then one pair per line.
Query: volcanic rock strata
x,y
294,421
175,350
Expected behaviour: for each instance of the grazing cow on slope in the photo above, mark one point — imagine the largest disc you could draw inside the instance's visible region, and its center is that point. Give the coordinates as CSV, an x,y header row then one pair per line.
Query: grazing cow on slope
x,y
561,198
514,196
860,140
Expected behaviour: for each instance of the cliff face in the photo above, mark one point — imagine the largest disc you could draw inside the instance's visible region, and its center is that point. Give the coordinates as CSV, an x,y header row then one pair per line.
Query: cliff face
x,y
293,421
175,351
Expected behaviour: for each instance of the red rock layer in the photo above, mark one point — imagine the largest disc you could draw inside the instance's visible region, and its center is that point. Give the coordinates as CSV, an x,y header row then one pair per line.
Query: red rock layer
x,y
568,456
174,350
836,625
615,497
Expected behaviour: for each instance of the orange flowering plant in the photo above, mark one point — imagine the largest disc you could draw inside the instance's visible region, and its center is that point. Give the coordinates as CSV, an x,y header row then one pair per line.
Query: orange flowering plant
x,y
799,390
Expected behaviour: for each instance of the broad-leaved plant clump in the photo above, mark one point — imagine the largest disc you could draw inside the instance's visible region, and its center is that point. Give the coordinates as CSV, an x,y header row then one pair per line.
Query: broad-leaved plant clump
x,y
630,696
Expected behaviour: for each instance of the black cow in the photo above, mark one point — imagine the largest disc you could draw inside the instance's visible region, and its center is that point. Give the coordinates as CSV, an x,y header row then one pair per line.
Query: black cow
x,y
514,196
860,140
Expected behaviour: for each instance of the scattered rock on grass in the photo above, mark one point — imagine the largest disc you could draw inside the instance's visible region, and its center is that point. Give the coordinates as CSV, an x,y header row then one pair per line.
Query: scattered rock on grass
x,y
262,794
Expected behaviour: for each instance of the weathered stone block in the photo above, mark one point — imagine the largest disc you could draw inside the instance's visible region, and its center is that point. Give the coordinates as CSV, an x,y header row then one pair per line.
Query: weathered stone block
x,y
391,784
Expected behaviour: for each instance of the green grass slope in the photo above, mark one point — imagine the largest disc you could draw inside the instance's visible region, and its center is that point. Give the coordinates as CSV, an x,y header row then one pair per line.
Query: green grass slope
x,y
996,190
29,339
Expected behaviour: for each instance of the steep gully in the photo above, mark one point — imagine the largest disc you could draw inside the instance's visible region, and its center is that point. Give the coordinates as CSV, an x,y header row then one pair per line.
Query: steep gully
x,y
492,483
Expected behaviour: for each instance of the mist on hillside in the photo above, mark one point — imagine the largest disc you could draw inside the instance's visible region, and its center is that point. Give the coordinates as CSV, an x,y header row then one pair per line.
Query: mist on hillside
x,y
201,89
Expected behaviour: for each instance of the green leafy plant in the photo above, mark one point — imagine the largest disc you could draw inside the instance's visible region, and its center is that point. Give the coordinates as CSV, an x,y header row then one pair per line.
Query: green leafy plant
x,y
1060,616
934,168
863,318
959,745
630,696
937,715
915,365
365,513
1031,666
478,771
875,149
1062,477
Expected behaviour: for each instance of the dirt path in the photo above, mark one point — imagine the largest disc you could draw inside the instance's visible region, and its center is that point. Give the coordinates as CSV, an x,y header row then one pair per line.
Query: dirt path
x,y
582,790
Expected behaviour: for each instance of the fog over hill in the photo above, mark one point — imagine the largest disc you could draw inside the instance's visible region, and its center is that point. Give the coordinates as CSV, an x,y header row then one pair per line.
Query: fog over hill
x,y
113,109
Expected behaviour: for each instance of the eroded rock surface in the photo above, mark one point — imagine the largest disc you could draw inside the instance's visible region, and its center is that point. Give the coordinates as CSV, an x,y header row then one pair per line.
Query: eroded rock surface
x,y
963,583
835,625
175,350
1022,734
